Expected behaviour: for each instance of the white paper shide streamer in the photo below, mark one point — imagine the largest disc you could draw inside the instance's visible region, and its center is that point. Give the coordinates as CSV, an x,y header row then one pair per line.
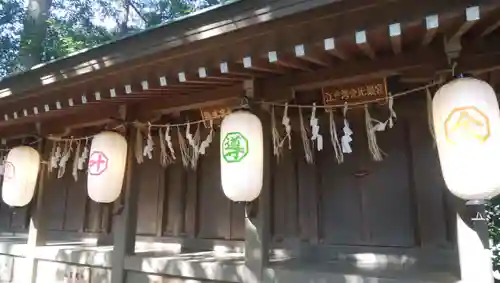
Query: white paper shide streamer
x,y
148,149
168,139
275,135
288,128
316,136
346,138
64,159
208,140
85,155
392,113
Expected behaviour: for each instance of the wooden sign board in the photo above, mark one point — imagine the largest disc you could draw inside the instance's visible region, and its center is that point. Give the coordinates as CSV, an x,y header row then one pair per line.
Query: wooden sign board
x,y
356,92
214,113
217,112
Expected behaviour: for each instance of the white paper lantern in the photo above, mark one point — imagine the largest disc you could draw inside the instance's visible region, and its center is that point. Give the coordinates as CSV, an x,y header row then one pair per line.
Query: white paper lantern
x,y
467,128
20,175
241,146
106,167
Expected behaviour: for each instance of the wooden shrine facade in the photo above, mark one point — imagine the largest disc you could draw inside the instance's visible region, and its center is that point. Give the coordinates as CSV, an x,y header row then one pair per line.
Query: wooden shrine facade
x,y
391,221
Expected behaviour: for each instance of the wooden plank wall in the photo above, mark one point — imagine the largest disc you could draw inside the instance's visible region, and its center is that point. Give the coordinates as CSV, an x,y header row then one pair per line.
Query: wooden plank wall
x,y
399,202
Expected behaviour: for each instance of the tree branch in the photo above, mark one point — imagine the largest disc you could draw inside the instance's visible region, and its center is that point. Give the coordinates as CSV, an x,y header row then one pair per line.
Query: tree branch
x,y
138,12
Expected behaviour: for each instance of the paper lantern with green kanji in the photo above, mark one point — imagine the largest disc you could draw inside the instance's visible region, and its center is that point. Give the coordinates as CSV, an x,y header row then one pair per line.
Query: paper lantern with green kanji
x,y
241,158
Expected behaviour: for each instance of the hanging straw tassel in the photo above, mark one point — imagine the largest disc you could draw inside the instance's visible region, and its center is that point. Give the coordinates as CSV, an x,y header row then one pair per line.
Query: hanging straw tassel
x,y
372,137
183,148
208,140
316,136
138,146
75,161
305,140
148,149
335,139
275,136
346,138
288,128
392,113
165,159
195,153
168,139
84,156
430,118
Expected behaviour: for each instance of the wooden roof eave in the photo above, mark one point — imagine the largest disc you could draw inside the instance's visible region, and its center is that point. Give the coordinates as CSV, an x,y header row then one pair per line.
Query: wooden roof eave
x,y
192,89
216,22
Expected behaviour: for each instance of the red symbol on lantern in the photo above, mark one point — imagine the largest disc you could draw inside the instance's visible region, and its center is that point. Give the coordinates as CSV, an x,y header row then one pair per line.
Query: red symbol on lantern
x,y
98,163
9,171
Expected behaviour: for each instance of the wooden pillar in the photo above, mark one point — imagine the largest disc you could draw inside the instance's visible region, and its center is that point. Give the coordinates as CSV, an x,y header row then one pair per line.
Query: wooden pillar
x,y
37,226
257,226
125,223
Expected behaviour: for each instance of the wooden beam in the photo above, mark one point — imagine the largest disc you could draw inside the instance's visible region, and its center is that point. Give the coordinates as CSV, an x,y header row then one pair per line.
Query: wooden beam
x,y
472,16
215,74
492,23
341,16
287,61
258,64
330,47
175,104
228,68
308,53
194,79
431,27
362,42
350,71
395,36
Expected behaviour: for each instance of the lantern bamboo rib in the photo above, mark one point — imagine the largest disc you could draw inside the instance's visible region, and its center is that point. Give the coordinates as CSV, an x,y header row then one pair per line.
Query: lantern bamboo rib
x,y
434,83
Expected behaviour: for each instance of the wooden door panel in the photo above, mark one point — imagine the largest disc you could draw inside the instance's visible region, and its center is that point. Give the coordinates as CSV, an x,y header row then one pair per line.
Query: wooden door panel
x,y
214,210
175,201
150,175
341,207
387,188
77,195
284,192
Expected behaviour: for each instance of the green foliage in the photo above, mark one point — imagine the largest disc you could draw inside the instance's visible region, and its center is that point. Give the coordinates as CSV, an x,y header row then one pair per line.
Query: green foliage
x,y
11,15
493,215
74,25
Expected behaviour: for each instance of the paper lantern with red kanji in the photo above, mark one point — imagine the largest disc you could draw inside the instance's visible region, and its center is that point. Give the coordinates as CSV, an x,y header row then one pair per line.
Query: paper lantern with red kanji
x,y
467,129
20,175
242,156
106,167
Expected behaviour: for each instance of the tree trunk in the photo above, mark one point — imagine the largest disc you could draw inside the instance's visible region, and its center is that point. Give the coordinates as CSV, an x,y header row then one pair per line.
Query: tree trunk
x,y
34,33
123,26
